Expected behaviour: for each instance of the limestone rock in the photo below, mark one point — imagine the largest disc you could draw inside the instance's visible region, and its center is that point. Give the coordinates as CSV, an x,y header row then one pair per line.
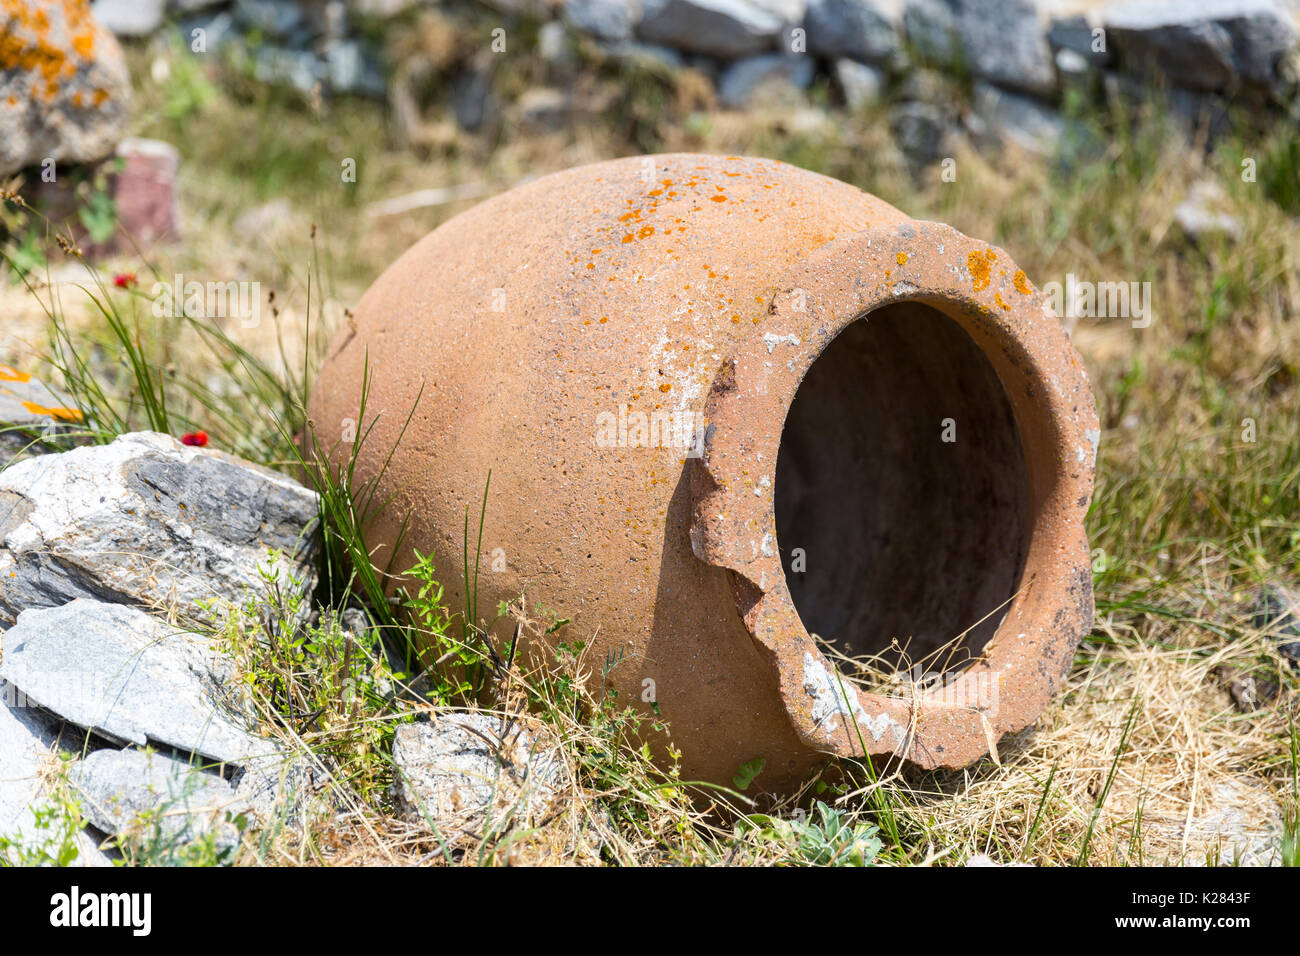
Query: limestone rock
x,y
1205,212
64,90
1001,41
28,750
148,520
866,30
860,84
1019,119
606,19
476,774
1203,44
773,77
152,799
721,28
129,677
278,789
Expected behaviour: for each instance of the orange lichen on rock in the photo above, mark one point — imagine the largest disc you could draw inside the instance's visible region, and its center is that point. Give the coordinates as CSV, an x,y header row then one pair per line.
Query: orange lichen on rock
x,y
62,414
56,66
28,43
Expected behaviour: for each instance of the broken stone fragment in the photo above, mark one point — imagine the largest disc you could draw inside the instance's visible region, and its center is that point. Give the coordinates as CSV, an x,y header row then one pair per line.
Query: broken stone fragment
x,y
280,788
150,521
152,800
476,774
723,28
29,821
127,676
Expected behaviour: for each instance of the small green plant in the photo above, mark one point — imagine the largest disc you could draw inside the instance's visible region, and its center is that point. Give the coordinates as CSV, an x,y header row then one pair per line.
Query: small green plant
x,y
25,256
317,683
97,210
748,771
56,823
824,837
453,665
1290,844
188,91
180,831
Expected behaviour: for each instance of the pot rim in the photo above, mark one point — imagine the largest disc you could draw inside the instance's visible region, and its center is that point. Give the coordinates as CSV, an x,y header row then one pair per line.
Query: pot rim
x,y
733,483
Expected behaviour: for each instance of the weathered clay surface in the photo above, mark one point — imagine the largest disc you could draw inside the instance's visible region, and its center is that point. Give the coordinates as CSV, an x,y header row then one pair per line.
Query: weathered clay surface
x,y
476,774
127,676
724,294
64,89
151,798
147,520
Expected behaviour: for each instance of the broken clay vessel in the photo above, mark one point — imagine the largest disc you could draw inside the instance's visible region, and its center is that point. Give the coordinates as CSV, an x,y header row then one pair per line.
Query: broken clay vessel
x,y
729,404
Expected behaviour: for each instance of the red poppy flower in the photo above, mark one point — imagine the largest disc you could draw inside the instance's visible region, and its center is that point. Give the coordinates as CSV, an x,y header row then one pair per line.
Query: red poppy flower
x,y
197,439
124,280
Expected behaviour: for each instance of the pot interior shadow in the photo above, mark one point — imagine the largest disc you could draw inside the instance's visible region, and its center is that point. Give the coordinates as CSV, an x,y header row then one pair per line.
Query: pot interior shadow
x,y
902,493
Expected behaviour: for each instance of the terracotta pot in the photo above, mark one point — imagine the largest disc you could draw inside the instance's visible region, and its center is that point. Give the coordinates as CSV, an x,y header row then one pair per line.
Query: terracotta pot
x,y
895,451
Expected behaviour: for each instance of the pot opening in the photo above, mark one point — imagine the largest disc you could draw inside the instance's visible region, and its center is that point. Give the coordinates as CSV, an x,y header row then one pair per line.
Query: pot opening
x,y
902,493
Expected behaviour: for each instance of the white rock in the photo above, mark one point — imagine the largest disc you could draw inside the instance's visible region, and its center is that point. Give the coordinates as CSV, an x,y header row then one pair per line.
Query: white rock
x,y
778,77
127,676
476,774
1019,119
1204,212
28,751
607,19
860,84
280,790
148,520
721,28
153,799
130,18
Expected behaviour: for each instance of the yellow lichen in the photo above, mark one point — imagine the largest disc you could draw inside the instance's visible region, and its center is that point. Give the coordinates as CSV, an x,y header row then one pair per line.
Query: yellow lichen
x,y
979,264
62,414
